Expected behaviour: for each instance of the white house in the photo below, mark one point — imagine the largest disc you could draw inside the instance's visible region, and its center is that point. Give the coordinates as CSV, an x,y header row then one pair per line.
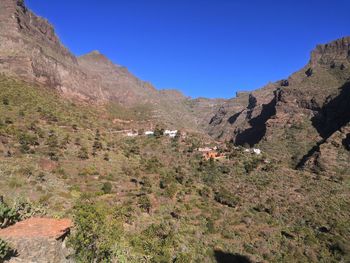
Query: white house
x,y
256,151
131,134
149,133
170,133
205,149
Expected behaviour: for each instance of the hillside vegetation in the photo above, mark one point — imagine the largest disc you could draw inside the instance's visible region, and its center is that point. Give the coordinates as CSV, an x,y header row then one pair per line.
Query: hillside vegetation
x,y
155,199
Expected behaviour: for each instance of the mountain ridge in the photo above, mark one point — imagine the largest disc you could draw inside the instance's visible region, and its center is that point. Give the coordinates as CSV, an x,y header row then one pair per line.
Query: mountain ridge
x,y
30,50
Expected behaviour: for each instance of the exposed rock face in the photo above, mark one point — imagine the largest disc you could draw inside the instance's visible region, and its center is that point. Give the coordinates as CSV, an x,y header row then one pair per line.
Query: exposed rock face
x,y
332,54
39,240
308,110
29,47
30,50
239,115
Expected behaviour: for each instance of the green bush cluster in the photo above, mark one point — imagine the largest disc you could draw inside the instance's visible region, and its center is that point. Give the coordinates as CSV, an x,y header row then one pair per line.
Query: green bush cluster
x,y
225,197
96,232
107,188
152,165
251,164
20,210
8,215
145,203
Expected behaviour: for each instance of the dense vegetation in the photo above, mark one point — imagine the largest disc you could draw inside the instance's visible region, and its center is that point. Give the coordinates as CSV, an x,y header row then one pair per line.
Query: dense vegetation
x,y
155,199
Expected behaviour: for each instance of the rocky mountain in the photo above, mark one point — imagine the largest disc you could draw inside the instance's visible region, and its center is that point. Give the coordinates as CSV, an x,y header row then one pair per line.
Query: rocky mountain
x,y
304,117
30,50
294,118
64,153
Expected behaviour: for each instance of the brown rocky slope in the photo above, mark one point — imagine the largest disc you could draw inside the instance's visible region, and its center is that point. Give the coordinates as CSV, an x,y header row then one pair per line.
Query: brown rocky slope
x,y
303,118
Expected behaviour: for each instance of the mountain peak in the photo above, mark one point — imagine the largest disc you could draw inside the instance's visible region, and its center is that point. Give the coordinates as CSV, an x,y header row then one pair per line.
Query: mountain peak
x,y
94,52
95,57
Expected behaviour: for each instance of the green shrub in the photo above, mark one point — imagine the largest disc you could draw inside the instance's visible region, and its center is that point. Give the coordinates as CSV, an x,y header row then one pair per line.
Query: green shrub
x,y
205,192
52,142
20,210
8,120
5,250
6,101
95,232
131,148
226,198
171,190
106,157
157,241
83,153
8,215
158,132
145,203
251,165
25,209
210,226
107,188
26,140
152,165
97,146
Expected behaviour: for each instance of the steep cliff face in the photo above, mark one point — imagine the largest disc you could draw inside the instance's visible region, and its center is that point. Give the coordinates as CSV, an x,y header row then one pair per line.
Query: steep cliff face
x,y
30,50
334,53
237,117
293,117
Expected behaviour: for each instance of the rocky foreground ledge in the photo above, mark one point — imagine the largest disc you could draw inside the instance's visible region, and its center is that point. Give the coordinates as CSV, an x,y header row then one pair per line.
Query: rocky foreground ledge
x,y
39,240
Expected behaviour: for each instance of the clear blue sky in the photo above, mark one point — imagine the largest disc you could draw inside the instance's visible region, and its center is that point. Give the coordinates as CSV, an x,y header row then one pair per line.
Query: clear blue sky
x,y
209,48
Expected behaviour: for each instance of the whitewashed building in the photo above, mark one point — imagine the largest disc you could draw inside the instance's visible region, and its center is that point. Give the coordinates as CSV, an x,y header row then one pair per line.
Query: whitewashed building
x,y
170,133
256,151
149,132
132,134
205,149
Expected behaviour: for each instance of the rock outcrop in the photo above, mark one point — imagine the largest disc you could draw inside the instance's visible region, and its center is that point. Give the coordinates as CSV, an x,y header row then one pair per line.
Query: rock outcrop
x,y
39,240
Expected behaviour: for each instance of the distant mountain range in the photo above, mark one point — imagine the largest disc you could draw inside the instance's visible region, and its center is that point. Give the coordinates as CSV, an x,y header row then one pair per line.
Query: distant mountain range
x,y
303,118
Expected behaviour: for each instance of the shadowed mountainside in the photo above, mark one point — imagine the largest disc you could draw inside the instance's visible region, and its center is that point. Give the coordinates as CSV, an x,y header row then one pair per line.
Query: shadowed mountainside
x,y
292,118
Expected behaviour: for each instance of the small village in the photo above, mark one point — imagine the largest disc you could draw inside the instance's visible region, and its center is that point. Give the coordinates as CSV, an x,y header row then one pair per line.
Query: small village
x,y
214,152
170,133
208,152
